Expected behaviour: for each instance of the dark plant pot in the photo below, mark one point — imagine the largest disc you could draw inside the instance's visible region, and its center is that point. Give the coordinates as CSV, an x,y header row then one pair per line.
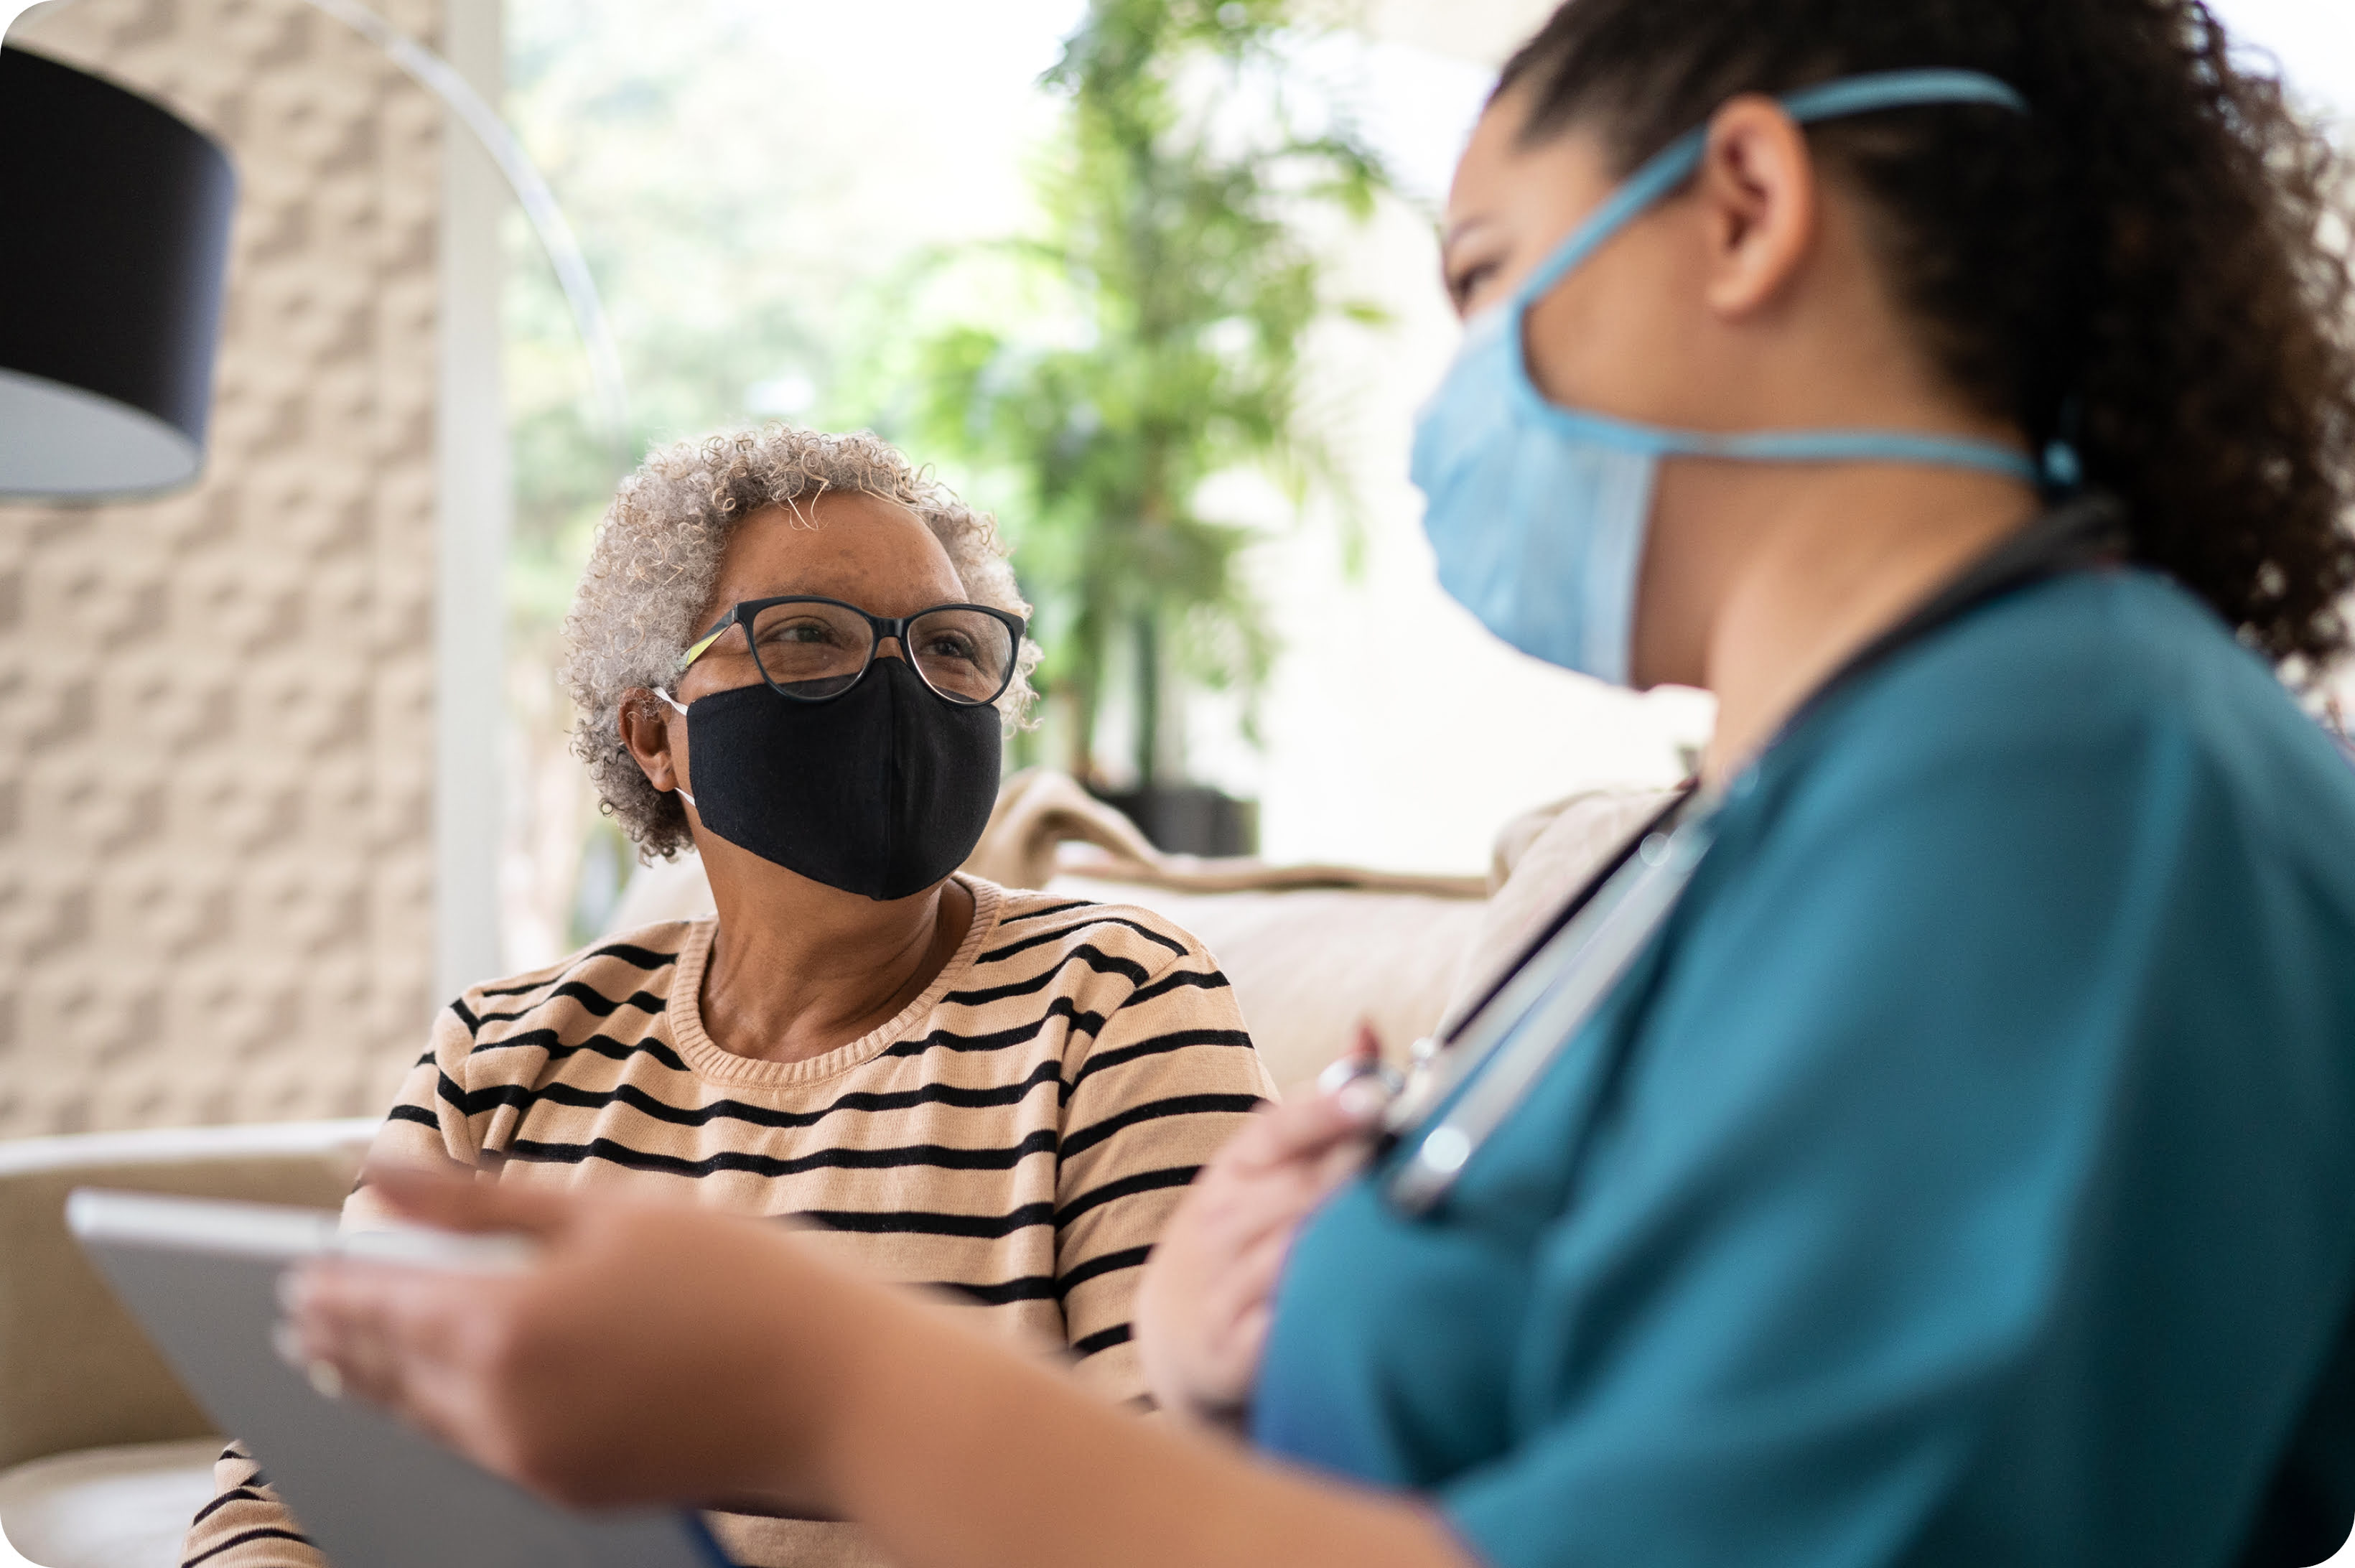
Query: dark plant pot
x,y
1189,819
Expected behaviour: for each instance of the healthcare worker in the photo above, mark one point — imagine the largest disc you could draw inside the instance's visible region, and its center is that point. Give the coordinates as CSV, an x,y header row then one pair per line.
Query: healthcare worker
x,y
1935,1141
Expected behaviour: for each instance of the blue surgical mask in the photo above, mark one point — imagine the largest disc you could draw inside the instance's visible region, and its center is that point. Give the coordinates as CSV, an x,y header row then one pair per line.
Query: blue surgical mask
x,y
1538,513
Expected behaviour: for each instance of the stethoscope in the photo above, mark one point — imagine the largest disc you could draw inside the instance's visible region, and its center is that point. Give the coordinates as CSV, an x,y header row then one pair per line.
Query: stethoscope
x,y
1495,1056
1476,1070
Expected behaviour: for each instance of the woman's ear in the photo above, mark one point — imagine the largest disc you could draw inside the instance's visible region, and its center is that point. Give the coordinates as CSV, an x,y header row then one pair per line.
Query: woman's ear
x,y
645,724
1757,182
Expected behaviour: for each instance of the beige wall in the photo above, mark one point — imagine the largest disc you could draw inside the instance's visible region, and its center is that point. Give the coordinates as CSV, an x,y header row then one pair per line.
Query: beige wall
x,y
216,711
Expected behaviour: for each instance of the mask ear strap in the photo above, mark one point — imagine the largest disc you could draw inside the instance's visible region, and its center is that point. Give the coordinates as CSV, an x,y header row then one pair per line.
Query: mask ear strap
x,y
1669,167
681,707
1661,173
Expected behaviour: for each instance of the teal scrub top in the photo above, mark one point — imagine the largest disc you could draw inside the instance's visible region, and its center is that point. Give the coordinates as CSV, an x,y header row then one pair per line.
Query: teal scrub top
x,y
1964,1175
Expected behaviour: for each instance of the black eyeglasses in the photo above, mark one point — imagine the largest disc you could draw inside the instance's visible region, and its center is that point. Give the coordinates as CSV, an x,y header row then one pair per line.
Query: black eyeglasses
x,y
812,650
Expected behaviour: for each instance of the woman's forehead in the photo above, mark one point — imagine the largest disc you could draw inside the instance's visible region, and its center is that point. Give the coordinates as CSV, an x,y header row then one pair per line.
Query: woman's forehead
x,y
843,545
1503,169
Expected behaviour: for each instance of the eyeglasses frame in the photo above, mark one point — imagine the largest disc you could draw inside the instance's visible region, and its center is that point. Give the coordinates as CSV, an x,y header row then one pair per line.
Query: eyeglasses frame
x,y
882,626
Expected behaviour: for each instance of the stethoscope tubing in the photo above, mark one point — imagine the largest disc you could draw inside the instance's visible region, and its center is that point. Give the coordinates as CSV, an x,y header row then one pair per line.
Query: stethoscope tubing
x,y
1545,1007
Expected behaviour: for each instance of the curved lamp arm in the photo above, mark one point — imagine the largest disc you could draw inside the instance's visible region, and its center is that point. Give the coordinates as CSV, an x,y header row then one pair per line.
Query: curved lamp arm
x,y
439,77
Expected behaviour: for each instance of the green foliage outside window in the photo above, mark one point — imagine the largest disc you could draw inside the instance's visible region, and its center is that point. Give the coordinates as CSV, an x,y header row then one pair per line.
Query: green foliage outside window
x,y
1182,259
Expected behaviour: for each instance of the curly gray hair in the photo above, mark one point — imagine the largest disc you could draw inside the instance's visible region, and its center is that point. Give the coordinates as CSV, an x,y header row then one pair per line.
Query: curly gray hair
x,y
656,556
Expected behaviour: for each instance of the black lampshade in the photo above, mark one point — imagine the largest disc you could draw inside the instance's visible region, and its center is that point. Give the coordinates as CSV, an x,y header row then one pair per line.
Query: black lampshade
x,y
114,217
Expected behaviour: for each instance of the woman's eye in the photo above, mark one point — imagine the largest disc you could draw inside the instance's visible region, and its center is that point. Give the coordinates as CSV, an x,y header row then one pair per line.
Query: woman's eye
x,y
1470,281
799,632
949,645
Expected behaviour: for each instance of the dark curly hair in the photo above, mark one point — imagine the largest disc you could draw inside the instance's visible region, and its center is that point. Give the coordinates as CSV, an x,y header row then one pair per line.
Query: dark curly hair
x,y
2153,262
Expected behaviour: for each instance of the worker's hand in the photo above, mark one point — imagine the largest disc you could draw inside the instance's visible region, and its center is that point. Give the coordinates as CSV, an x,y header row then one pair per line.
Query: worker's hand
x,y
1204,1304
638,1360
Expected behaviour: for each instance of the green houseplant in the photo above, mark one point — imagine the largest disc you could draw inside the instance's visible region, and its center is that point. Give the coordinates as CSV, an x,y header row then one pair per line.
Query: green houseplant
x,y
1180,267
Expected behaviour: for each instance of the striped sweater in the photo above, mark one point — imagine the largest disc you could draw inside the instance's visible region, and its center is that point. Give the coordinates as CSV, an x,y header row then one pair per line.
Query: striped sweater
x,y
1015,1138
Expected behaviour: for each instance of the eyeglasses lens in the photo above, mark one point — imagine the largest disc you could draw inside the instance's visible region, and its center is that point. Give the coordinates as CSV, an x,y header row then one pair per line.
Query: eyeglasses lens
x,y
811,650
963,654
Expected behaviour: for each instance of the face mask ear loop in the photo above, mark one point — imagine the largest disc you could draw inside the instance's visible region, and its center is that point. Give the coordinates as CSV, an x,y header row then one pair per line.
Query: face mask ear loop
x,y
681,707
1673,165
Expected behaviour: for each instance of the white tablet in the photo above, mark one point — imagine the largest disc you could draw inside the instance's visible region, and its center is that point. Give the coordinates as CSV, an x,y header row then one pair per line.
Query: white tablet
x,y
202,1277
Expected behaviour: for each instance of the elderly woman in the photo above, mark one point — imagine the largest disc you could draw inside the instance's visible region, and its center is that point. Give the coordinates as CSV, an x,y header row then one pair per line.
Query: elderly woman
x,y
795,653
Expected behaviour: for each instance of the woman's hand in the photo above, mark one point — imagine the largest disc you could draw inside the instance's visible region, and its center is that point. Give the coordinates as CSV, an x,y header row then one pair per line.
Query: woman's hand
x,y
591,1375
1208,1293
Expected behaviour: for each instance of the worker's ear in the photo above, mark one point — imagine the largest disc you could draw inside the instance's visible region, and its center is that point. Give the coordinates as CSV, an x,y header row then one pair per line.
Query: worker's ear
x,y
1760,198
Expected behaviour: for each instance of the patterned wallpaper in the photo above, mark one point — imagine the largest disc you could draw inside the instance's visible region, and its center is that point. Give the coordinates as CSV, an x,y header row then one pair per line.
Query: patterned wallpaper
x,y
216,711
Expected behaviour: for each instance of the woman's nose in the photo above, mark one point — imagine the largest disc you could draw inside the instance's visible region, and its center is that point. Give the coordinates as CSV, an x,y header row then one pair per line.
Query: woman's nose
x,y
893,646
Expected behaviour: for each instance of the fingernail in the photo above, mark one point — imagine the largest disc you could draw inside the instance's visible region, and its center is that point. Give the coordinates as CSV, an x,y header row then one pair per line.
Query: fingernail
x,y
324,1377
1362,1099
289,1291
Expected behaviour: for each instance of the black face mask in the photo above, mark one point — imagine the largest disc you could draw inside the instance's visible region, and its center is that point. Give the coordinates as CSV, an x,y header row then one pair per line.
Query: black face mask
x,y
883,791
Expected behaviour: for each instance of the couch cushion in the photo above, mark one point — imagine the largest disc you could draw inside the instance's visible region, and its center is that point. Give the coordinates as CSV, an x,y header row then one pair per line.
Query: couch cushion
x,y
106,1508
1308,963
75,1370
